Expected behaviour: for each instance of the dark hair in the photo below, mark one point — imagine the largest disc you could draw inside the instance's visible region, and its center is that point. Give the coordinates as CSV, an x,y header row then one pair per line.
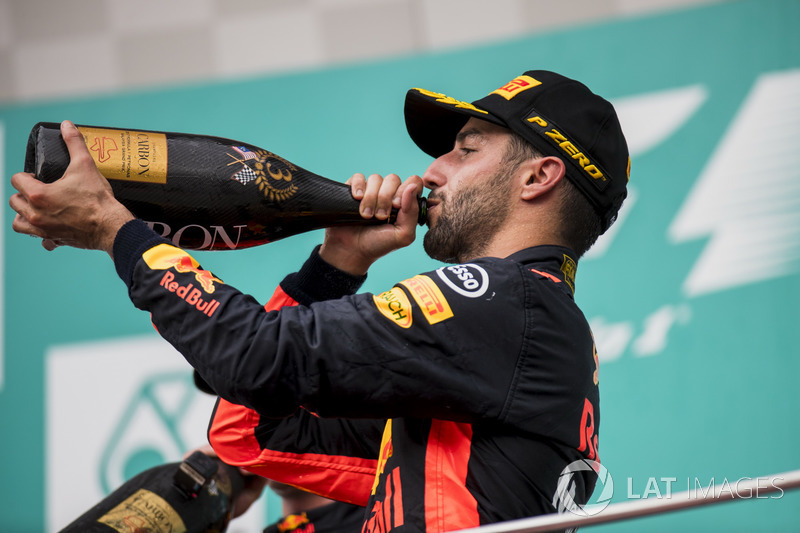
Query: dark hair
x,y
580,223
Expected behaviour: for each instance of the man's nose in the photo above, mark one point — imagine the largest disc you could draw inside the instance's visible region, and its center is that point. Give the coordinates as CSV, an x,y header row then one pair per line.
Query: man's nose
x,y
434,176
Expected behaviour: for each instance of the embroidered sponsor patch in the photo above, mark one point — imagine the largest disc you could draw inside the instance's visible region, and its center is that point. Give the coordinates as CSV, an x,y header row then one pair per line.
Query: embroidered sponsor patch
x,y
430,299
571,149
394,305
468,280
168,258
164,257
294,522
516,86
569,267
386,452
443,98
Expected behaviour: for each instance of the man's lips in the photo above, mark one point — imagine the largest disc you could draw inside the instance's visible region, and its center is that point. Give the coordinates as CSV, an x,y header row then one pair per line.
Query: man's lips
x,y
433,201
432,210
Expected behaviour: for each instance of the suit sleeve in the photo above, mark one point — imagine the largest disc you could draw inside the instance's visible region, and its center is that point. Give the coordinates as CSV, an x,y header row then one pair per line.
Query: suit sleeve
x,y
335,458
416,350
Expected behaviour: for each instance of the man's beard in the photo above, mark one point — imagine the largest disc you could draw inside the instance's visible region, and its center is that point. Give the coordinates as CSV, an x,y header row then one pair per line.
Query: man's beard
x,y
468,220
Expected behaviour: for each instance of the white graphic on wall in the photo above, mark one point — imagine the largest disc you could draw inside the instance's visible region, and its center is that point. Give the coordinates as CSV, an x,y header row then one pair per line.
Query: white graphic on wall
x,y
114,408
2,261
614,338
647,121
651,118
747,199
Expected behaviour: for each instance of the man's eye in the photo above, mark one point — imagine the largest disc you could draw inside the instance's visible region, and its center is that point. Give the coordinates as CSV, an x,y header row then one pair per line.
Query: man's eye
x,y
466,150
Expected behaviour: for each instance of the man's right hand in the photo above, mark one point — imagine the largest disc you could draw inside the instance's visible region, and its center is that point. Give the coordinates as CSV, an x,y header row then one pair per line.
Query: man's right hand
x,y
353,249
78,210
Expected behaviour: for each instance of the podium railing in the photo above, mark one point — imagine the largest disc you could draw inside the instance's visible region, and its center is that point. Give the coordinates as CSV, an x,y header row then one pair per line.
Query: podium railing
x,y
647,507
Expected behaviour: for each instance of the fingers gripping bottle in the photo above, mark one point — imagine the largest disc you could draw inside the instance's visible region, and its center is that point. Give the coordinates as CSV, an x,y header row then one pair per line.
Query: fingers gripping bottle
x,y
203,192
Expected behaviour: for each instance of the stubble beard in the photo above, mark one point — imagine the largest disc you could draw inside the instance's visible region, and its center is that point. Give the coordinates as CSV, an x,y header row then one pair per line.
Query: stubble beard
x,y
468,221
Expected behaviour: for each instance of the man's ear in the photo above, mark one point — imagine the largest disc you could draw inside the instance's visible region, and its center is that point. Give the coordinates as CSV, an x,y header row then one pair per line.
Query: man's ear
x,y
541,176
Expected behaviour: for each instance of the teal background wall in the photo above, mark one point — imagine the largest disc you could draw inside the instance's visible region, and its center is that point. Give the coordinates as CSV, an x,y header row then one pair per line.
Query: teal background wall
x,y
694,299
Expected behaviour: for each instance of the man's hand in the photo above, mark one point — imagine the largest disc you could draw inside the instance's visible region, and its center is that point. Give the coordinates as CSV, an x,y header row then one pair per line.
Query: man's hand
x,y
78,210
251,491
353,249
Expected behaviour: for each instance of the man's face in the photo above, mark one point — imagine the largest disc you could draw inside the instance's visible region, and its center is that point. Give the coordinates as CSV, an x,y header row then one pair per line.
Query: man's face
x,y
469,199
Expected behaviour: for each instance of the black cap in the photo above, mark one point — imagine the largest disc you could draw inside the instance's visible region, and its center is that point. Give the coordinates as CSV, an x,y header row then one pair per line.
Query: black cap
x,y
557,115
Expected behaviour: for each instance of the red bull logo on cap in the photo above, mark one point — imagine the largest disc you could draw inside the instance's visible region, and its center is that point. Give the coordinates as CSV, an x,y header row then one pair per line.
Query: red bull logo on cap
x,y
169,258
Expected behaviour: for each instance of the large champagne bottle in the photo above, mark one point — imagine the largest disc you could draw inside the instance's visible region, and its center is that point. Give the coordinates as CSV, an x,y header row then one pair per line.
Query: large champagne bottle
x,y
203,192
194,496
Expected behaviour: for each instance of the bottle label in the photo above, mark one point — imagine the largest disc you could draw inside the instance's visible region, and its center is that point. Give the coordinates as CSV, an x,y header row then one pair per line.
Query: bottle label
x,y
128,155
144,511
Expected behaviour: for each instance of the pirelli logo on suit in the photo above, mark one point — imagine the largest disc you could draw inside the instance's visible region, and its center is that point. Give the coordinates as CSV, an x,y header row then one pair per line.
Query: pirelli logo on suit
x,y
430,299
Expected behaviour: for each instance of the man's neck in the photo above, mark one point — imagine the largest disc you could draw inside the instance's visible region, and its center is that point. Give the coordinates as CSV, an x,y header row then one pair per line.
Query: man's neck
x,y
510,240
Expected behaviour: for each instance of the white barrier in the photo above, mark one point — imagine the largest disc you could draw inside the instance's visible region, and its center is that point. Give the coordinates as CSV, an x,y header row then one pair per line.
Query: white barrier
x,y
646,507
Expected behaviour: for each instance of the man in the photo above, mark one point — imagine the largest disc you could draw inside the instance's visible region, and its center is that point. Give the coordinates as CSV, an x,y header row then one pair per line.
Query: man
x,y
482,376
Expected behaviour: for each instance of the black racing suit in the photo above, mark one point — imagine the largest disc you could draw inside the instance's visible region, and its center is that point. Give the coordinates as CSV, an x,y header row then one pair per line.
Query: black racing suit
x,y
454,399
335,517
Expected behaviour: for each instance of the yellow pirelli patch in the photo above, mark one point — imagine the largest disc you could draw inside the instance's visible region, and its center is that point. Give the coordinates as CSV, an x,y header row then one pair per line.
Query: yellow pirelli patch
x,y
394,305
430,299
516,86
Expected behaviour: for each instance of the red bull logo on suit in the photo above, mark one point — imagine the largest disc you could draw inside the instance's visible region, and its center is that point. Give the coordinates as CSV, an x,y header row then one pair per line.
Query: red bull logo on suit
x,y
169,258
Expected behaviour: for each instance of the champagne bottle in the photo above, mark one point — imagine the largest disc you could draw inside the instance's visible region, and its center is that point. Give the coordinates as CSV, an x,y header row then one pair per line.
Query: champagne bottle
x,y
194,496
203,192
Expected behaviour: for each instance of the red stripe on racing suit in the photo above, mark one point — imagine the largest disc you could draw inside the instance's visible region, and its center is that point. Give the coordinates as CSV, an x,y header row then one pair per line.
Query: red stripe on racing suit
x,y
232,435
489,347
